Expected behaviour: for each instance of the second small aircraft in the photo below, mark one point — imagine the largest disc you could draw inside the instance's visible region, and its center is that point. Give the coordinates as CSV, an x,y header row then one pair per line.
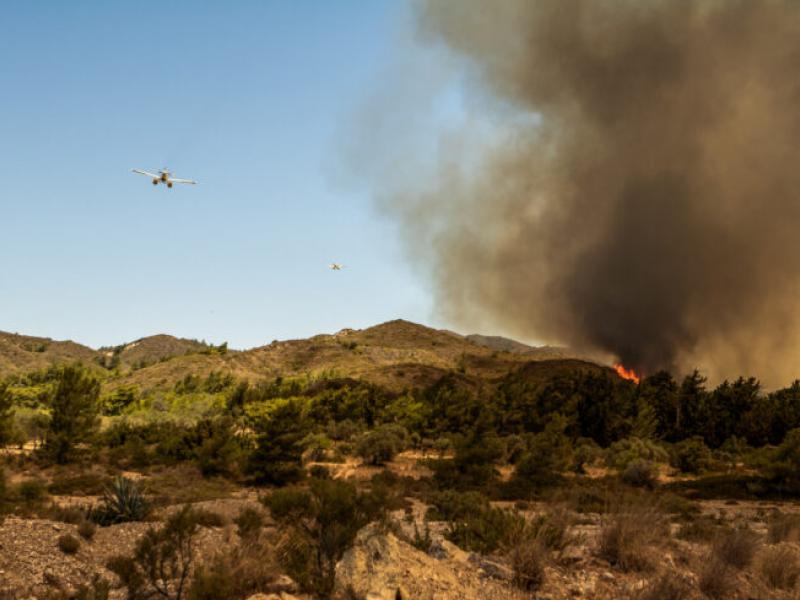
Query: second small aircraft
x,y
163,176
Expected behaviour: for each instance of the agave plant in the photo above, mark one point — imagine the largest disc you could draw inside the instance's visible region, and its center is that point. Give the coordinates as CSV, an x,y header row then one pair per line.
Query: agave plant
x,y
123,501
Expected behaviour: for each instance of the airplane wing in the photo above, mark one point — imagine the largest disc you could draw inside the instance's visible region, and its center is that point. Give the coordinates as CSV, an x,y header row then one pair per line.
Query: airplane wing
x,y
145,173
193,182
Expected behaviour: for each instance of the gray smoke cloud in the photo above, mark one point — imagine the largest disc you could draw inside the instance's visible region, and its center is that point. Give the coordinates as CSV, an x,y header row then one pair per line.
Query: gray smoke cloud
x,y
644,200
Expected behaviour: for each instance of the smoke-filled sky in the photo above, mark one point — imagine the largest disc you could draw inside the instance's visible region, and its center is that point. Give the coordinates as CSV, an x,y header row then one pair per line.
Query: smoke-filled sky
x,y
625,179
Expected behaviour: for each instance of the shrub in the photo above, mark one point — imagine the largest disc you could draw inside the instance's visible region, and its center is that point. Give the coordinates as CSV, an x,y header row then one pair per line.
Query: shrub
x,y
319,472
701,529
715,579
162,559
86,530
122,502
208,518
422,540
639,473
626,451
552,529
779,567
783,528
473,463
487,531
68,543
736,547
98,589
668,586
249,523
528,560
380,445
319,525
236,574
85,483
691,456
549,453
32,491
219,451
473,523
317,445
629,533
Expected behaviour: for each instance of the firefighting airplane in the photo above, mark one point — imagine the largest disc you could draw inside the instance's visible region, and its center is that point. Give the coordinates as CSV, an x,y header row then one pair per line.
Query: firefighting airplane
x,y
164,176
335,267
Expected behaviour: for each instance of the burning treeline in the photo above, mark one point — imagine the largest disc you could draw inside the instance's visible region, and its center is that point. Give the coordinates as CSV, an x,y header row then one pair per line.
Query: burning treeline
x,y
645,198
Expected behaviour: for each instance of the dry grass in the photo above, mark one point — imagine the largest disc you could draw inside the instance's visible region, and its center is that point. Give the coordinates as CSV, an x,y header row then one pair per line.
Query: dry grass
x,y
783,528
736,548
667,586
716,579
630,535
239,572
779,566
528,560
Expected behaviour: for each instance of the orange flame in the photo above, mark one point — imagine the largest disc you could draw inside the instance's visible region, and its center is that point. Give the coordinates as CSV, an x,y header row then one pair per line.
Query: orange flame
x,y
628,374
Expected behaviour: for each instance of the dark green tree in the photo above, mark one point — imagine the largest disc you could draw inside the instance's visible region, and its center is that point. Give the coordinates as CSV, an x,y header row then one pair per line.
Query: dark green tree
x,y
278,456
74,410
6,420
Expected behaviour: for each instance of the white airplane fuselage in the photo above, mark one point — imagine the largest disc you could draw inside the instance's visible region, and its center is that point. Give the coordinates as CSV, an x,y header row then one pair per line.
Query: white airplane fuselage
x,y
163,177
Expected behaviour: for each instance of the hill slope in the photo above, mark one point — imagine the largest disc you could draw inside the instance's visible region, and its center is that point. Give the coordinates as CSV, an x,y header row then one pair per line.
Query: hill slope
x,y
396,354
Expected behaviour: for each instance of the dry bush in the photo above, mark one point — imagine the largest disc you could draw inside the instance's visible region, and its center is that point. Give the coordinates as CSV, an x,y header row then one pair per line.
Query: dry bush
x,y
249,523
702,529
86,529
780,567
552,529
716,579
736,547
528,560
68,543
629,534
668,586
238,573
784,528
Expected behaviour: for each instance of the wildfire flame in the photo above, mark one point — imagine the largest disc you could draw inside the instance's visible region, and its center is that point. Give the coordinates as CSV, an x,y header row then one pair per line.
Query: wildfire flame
x,y
628,374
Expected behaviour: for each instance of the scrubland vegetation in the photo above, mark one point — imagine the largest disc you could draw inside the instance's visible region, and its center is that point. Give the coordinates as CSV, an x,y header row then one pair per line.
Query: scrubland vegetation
x,y
509,468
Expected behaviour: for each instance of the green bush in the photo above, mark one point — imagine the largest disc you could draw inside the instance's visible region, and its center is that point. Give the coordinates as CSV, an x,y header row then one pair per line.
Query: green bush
x,y
623,452
32,491
473,523
319,525
249,522
691,456
380,445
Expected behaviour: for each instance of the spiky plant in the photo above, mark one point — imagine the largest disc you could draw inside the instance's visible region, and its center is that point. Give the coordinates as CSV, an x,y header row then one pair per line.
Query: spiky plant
x,y
123,501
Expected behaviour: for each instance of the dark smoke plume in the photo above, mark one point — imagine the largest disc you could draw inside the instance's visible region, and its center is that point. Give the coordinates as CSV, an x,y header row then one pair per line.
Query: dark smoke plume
x,y
647,200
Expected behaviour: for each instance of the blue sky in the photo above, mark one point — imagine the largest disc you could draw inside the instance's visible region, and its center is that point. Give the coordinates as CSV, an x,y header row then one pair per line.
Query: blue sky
x,y
253,99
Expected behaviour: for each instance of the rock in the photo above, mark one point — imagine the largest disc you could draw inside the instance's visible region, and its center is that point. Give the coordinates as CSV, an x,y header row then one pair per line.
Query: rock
x,y
491,568
284,584
607,576
379,566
